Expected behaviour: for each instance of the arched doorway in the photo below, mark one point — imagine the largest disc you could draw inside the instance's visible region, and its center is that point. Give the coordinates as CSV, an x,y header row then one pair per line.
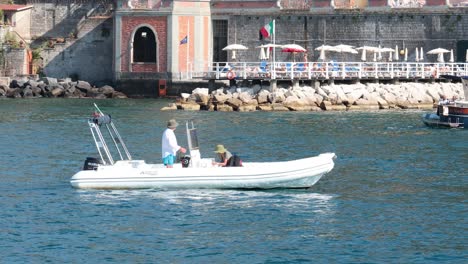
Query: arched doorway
x,y
144,45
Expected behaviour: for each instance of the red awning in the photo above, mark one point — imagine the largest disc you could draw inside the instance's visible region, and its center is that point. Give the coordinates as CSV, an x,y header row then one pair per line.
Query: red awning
x,y
5,7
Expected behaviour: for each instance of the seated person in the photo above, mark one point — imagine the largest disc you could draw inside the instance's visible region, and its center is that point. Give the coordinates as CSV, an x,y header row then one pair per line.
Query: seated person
x,y
222,156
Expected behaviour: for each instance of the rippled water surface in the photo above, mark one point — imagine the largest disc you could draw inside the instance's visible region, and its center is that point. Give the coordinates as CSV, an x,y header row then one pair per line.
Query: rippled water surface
x,y
396,195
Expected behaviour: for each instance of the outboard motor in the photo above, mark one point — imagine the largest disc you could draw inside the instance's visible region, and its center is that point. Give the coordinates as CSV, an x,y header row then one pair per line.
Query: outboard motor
x,y
185,160
91,163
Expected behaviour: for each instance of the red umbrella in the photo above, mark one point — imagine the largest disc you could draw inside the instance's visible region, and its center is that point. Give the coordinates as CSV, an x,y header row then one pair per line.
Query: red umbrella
x,y
292,48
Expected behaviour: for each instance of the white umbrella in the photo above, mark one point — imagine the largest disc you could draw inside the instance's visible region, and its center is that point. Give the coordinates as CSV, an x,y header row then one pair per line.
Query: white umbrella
x,y
389,50
421,54
268,47
262,55
369,48
322,50
440,57
440,53
233,48
397,52
451,56
406,54
344,48
379,54
325,48
322,55
363,56
417,55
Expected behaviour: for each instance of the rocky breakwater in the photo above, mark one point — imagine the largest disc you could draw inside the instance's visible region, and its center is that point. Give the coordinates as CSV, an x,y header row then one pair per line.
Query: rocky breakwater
x,y
51,87
359,96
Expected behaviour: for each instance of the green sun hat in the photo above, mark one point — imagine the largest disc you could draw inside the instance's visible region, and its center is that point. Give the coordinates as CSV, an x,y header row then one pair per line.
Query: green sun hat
x,y
220,149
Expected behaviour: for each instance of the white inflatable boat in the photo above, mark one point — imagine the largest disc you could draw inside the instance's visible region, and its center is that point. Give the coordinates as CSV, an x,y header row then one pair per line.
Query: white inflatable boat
x,y
193,172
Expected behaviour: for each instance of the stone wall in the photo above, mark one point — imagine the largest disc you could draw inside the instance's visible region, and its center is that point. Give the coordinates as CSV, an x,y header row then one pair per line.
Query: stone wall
x,y
16,62
64,18
405,29
89,57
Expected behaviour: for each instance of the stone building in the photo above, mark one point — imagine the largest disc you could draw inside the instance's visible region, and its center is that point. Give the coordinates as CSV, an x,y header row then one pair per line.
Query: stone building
x,y
137,43
211,25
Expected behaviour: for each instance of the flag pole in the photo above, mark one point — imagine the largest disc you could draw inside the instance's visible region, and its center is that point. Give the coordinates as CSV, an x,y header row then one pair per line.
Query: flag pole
x,y
274,53
188,46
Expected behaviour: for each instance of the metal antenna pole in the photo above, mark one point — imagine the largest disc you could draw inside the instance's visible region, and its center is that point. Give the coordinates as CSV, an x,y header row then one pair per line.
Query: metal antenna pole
x,y
97,145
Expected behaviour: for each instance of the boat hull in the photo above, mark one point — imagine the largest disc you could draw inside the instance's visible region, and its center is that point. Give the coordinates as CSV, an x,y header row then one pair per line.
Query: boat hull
x,y
302,173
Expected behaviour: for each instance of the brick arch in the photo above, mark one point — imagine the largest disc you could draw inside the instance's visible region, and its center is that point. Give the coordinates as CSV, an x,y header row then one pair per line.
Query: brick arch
x,y
129,26
131,44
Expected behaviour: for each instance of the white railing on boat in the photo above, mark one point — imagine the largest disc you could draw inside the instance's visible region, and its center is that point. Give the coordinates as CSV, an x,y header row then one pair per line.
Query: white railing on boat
x,y
326,70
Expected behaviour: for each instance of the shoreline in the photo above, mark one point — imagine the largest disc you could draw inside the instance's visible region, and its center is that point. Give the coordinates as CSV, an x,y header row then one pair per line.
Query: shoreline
x,y
333,97
56,88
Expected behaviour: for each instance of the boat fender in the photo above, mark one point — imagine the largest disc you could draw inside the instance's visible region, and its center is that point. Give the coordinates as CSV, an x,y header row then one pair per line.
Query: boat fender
x,y
185,160
91,163
231,75
104,119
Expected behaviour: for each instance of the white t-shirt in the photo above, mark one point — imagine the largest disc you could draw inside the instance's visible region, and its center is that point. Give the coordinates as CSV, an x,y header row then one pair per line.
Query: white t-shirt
x,y
169,143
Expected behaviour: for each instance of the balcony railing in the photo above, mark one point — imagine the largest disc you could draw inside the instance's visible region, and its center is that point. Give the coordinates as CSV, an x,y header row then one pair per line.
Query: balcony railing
x,y
328,70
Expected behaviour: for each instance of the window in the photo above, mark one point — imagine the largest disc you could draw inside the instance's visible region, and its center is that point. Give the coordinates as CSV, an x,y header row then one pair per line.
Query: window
x,y
144,46
220,29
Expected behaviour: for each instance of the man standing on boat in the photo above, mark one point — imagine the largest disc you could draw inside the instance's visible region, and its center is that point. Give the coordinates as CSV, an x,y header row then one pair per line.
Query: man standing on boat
x,y
169,144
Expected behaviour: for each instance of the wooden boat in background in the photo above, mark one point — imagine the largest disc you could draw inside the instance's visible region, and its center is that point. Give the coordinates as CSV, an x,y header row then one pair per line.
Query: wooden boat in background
x,y
450,114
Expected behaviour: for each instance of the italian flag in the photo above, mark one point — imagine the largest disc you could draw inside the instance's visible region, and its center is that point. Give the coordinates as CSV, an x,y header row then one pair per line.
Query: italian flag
x,y
268,29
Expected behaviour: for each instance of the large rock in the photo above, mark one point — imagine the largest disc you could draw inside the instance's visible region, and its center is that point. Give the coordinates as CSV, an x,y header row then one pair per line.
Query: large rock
x,y
171,106
49,80
325,105
4,88
27,92
221,97
279,107
106,90
265,107
14,93
245,97
204,91
200,98
118,95
247,108
92,92
234,103
262,97
83,86
224,108
190,106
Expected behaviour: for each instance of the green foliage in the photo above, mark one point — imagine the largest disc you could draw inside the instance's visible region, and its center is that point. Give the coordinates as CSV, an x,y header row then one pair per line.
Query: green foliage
x,y
11,40
36,54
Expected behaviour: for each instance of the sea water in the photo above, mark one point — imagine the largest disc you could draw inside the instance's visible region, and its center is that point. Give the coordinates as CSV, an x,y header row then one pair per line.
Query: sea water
x,y
396,195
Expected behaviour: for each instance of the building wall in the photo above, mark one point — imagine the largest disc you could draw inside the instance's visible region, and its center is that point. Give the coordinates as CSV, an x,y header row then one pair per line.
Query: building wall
x,y
22,23
89,57
63,18
129,25
16,62
405,29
